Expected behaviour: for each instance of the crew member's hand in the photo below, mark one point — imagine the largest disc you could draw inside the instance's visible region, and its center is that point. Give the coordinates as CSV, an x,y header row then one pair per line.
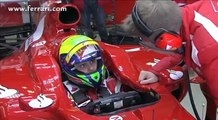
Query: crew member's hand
x,y
146,77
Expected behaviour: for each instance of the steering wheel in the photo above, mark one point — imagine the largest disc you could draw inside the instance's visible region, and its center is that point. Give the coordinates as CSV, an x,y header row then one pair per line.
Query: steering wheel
x,y
123,101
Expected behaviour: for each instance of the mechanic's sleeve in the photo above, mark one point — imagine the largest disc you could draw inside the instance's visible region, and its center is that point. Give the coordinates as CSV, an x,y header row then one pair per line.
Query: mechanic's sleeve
x,y
211,76
166,63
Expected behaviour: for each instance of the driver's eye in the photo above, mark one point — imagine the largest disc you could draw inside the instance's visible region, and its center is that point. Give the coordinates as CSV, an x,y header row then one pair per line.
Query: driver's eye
x,y
83,65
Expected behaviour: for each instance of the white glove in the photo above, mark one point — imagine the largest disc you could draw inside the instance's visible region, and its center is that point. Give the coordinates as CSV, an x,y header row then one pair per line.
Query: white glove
x,y
146,77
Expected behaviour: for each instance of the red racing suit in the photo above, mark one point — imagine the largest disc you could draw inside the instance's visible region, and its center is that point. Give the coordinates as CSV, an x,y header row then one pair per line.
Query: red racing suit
x,y
200,32
184,2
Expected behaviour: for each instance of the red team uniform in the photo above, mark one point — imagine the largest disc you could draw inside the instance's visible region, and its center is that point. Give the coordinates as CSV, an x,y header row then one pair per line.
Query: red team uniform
x,y
200,32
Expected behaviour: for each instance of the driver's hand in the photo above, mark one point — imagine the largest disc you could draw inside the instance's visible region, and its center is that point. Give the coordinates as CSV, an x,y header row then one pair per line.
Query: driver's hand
x,y
146,77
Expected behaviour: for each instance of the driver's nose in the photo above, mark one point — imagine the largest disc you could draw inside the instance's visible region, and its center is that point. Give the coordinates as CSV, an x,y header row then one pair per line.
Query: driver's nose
x,y
92,68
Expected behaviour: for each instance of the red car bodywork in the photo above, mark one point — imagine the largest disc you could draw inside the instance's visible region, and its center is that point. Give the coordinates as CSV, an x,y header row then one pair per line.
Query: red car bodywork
x,y
34,70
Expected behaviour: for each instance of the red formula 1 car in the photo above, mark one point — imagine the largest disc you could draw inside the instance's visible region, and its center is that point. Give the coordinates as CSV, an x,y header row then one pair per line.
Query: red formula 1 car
x,y
31,85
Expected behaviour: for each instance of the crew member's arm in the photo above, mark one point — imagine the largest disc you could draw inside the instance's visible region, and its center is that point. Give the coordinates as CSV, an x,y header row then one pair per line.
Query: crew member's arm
x,y
151,76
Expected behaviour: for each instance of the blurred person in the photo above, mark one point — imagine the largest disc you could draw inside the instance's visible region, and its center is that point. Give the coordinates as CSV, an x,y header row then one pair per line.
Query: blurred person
x,y
92,9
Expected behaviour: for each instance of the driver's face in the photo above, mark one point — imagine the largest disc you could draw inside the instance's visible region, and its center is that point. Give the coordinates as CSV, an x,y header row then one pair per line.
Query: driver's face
x,y
87,67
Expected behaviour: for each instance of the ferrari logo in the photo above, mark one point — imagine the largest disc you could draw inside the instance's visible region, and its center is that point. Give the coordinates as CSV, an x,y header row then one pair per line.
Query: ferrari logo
x,y
153,63
116,117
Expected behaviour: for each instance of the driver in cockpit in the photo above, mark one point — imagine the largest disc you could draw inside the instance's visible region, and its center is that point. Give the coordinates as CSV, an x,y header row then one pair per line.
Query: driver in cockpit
x,y
87,77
